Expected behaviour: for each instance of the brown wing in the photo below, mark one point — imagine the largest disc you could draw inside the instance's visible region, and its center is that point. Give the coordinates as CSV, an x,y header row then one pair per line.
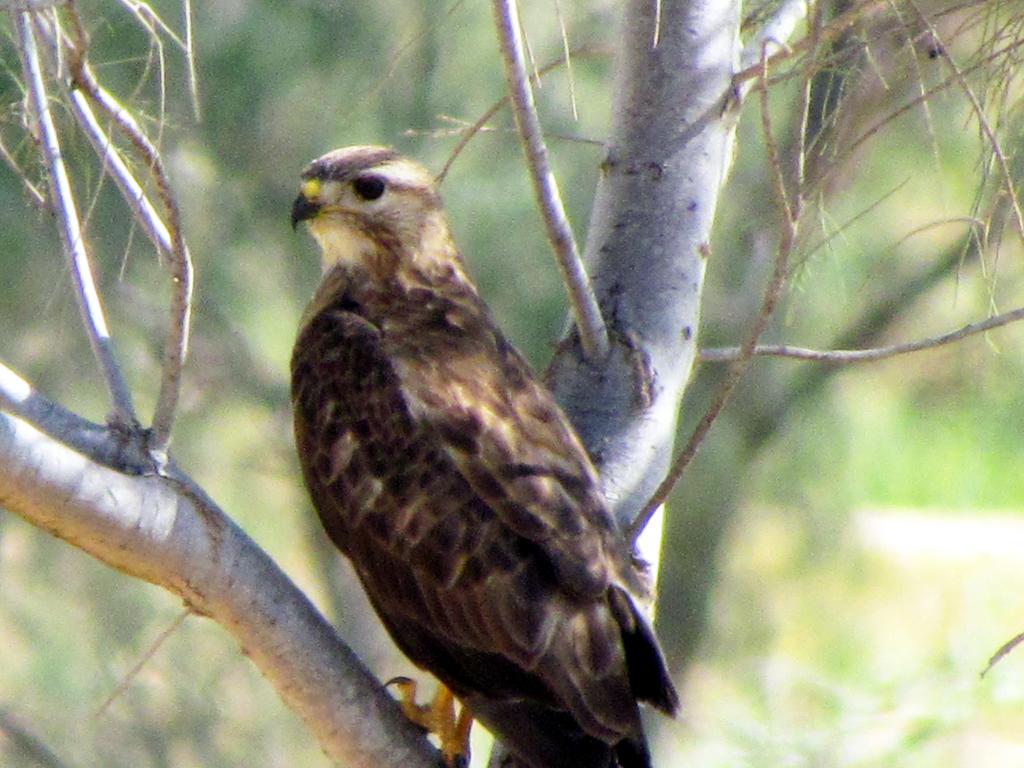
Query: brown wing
x,y
470,513
512,444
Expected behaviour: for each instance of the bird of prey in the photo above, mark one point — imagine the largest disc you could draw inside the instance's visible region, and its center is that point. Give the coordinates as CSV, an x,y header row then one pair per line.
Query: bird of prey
x,y
446,473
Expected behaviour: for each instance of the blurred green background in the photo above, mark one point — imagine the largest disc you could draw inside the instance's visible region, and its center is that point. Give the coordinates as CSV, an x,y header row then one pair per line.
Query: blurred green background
x,y
845,553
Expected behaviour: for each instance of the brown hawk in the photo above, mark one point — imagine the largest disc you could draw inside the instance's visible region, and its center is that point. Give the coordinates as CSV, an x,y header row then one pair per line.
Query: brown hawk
x,y
456,486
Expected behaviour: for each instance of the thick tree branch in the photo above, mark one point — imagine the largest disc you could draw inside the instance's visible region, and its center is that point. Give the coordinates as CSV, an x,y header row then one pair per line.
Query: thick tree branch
x,y
668,155
789,210
165,530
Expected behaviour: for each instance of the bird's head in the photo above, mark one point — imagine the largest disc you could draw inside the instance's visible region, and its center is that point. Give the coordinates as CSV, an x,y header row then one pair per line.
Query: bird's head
x,y
370,206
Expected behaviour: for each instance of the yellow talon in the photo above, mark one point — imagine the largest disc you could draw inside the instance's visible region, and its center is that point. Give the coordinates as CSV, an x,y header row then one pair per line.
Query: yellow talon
x,y
438,718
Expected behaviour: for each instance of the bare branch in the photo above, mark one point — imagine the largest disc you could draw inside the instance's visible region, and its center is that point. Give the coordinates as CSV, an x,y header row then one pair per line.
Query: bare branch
x,y
406,46
585,309
133,673
1002,652
190,58
848,356
152,21
925,95
89,302
166,531
14,390
790,213
176,342
19,399
567,55
145,213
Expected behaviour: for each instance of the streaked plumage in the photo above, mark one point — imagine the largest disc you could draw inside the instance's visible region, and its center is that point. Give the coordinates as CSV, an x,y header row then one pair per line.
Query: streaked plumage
x,y
454,483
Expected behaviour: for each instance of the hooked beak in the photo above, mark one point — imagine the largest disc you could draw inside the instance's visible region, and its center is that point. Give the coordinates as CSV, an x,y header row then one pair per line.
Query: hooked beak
x,y
302,209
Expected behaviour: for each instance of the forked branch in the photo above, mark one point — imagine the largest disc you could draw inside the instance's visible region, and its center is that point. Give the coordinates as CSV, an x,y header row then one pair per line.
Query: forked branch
x,y
176,342
89,303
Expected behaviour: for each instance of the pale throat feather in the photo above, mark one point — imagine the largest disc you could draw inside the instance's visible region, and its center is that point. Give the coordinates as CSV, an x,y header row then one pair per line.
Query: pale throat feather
x,y
340,244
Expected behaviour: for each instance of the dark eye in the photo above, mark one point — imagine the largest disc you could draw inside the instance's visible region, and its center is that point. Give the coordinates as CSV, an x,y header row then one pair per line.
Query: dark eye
x,y
368,187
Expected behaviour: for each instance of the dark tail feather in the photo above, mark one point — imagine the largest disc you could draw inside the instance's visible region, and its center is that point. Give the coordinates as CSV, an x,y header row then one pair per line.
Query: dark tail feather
x,y
632,752
648,674
541,737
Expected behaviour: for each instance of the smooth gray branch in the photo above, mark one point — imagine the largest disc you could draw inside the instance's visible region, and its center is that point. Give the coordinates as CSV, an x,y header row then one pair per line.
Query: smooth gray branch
x,y
668,155
145,212
849,356
585,309
789,210
89,302
166,531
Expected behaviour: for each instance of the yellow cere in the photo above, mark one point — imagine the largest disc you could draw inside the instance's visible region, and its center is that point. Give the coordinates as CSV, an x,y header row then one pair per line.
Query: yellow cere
x,y
311,189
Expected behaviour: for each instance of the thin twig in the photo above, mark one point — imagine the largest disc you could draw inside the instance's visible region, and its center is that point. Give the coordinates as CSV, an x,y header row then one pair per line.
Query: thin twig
x,y
1003,650
849,356
585,310
924,96
790,212
775,31
190,59
410,44
90,305
151,20
472,130
834,29
176,343
37,198
986,128
569,76
133,673
467,136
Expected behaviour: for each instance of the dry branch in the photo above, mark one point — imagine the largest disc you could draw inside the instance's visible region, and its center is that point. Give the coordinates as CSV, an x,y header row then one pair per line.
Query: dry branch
x,y
176,342
849,356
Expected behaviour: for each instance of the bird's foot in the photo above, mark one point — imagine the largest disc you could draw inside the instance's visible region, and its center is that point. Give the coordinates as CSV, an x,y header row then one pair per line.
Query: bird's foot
x,y
438,717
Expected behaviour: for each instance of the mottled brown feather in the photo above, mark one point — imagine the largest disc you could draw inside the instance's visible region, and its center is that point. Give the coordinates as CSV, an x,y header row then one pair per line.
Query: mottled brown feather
x,y
454,483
